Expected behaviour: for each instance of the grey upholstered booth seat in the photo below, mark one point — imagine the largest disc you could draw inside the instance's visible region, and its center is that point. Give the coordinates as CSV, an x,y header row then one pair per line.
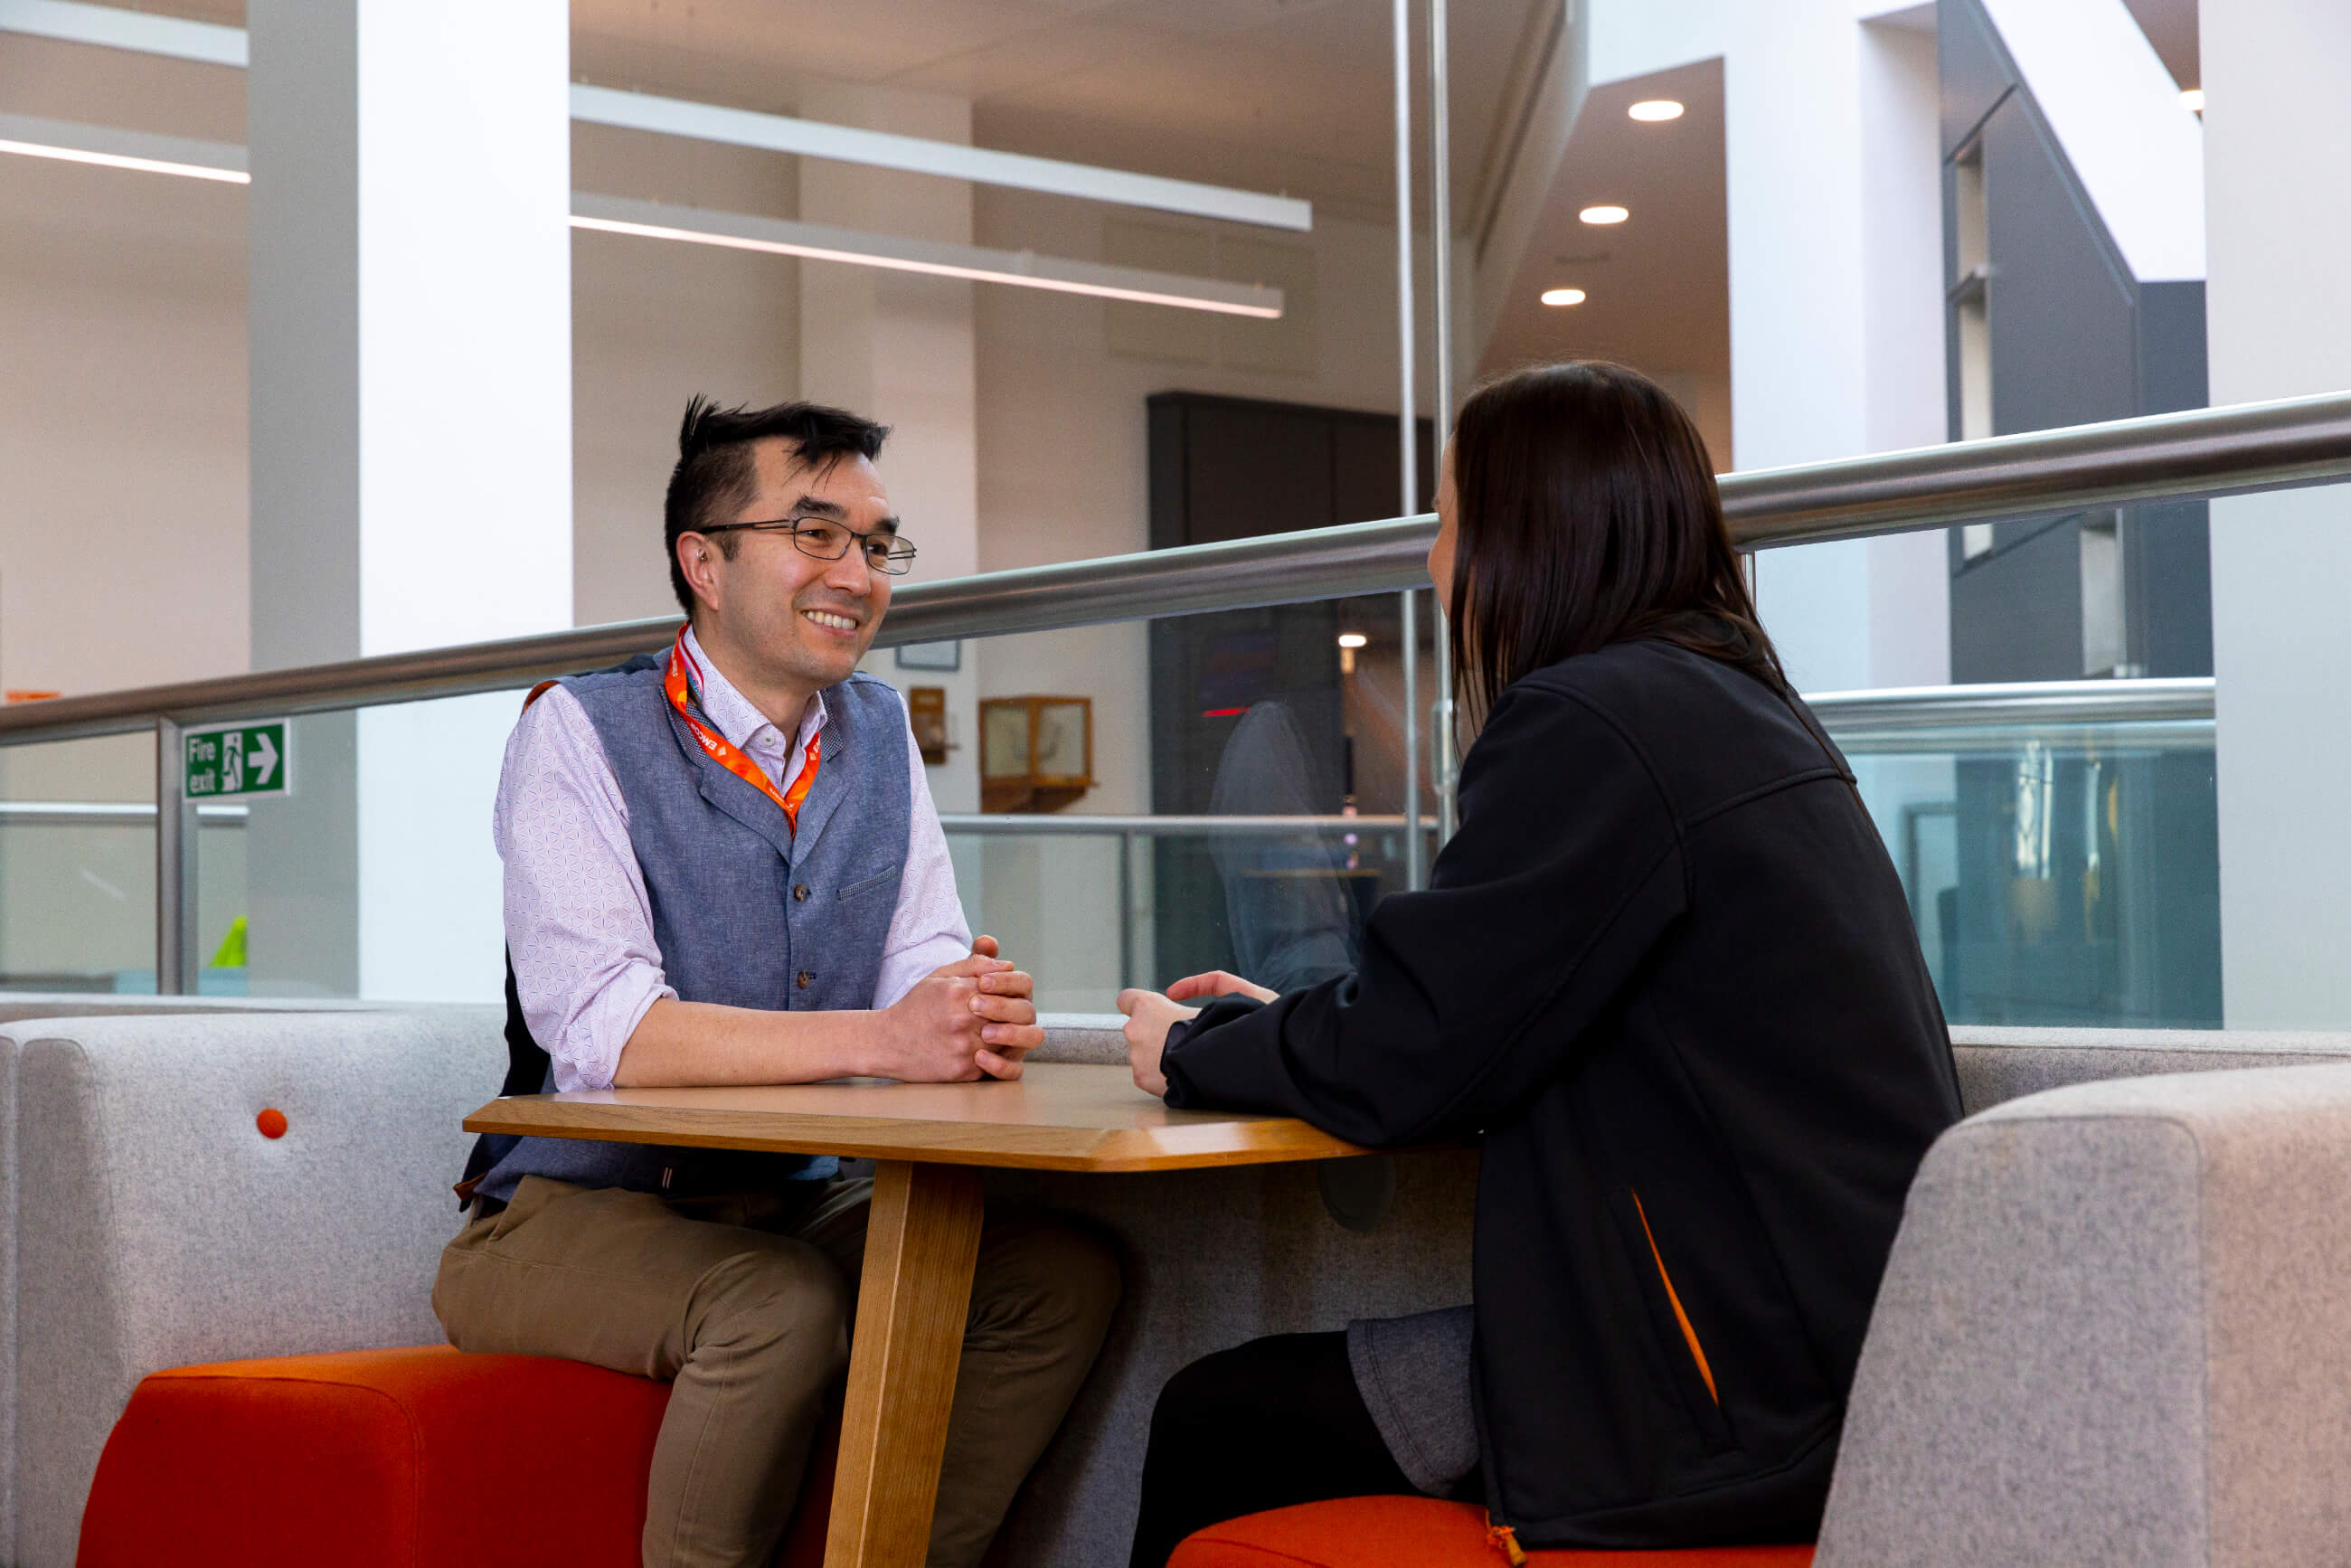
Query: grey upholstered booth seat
x,y
2114,1331
156,1226
1083,1036
24,1012
158,1229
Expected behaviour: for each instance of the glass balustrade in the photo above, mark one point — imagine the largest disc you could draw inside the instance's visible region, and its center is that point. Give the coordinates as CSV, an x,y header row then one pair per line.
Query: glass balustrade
x,y
2060,870
1128,803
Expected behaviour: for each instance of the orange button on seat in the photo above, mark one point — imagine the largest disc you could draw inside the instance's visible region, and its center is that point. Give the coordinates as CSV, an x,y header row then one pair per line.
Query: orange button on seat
x,y
1421,1532
383,1457
272,1123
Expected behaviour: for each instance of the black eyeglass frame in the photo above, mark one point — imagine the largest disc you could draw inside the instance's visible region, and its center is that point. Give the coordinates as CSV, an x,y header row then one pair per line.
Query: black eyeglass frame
x,y
897,561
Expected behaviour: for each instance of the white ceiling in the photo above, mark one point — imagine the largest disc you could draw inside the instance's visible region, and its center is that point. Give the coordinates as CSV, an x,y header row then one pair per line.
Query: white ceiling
x,y
1290,96
1659,285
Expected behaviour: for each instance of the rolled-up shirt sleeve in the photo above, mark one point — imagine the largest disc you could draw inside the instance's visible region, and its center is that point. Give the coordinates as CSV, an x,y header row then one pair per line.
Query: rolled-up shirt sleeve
x,y
580,928
928,930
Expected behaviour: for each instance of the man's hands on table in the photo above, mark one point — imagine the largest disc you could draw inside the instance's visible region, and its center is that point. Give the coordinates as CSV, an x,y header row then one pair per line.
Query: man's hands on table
x,y
973,1018
1150,1015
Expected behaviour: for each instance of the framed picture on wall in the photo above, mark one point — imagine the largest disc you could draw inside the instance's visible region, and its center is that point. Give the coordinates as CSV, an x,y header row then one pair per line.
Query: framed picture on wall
x,y
930,655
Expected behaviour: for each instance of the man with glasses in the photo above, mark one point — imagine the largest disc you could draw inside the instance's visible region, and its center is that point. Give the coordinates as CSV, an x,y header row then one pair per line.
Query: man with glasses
x,y
723,866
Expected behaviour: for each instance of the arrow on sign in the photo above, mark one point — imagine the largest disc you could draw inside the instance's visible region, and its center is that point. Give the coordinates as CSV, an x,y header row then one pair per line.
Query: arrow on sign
x,y
267,764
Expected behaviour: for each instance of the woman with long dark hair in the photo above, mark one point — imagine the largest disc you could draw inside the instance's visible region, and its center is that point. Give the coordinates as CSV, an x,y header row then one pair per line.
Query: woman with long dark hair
x,y
1664,976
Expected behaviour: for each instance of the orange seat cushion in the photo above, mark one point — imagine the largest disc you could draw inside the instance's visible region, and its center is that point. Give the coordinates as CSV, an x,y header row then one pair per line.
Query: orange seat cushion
x,y
1420,1533
383,1457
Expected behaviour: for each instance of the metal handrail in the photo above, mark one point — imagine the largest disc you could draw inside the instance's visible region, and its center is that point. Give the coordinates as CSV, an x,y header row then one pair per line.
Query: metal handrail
x,y
2253,446
1022,825
2169,699
107,813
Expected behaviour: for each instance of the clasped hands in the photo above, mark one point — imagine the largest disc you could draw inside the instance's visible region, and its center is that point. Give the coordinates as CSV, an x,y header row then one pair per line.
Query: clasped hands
x,y
976,1018
1150,1015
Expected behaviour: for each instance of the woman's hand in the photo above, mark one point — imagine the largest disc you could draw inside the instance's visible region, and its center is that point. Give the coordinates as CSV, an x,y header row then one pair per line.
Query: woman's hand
x,y
1149,1017
1216,983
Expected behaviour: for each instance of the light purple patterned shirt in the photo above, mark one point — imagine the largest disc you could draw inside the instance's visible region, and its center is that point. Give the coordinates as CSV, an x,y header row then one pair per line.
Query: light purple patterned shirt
x,y
578,924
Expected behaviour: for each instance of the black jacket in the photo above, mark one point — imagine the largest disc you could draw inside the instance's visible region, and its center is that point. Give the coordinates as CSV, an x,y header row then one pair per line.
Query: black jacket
x,y
1665,974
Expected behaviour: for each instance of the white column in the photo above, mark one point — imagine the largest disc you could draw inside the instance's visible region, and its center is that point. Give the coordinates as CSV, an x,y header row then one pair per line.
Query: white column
x,y
2279,323
1792,136
1835,222
1902,273
410,338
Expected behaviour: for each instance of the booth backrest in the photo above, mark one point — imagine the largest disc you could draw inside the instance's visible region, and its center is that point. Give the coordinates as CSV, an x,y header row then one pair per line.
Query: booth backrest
x,y
156,1226
1998,1064
24,1014
2113,1332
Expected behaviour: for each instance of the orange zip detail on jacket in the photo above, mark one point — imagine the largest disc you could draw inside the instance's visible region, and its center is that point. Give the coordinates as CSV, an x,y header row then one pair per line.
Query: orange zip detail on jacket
x,y
1505,1540
1689,1335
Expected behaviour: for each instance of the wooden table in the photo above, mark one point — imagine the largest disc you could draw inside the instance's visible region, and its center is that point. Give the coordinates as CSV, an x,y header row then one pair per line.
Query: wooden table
x,y
923,1235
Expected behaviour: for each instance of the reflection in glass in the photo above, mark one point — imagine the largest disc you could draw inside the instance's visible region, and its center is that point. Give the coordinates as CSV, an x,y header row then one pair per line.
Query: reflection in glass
x,y
1290,924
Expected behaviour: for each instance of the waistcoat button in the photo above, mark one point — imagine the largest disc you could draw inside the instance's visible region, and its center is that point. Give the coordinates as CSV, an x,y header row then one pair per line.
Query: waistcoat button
x,y
803,978
799,894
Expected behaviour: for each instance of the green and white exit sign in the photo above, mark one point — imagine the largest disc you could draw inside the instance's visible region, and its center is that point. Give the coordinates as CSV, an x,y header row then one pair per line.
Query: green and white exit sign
x,y
245,759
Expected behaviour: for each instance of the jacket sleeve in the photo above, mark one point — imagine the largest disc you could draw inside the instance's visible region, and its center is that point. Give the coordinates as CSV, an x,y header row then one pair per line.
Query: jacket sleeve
x,y
1565,873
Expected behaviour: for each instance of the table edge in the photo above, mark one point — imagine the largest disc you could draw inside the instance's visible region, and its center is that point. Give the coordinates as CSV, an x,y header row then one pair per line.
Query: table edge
x,y
1110,1152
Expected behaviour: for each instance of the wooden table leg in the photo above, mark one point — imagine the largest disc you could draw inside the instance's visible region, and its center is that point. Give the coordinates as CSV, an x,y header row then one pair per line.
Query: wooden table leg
x,y
920,1247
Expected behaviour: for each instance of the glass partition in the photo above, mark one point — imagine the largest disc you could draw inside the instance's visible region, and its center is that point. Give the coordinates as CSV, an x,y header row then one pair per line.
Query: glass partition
x,y
2058,872
1225,792
78,865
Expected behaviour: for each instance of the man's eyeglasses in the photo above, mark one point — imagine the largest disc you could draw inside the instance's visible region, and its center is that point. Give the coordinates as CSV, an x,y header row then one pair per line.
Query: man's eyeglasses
x,y
829,539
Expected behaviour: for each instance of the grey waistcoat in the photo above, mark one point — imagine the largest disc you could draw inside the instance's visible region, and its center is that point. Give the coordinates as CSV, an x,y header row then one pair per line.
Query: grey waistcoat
x,y
746,914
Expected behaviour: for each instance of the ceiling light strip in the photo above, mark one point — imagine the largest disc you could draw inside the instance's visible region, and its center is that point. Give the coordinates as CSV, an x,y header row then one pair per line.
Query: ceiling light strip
x,y
113,28
69,142
848,144
1020,270
25,136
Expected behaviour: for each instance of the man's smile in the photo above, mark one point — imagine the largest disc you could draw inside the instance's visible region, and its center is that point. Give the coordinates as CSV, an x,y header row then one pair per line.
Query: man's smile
x,y
833,620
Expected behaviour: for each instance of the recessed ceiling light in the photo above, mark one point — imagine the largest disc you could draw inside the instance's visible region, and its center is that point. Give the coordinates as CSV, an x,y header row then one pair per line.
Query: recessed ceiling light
x,y
1604,215
2192,101
1562,296
1354,640
1656,109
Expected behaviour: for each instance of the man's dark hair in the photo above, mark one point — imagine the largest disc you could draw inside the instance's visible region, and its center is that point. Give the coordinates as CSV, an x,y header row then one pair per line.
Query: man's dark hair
x,y
713,473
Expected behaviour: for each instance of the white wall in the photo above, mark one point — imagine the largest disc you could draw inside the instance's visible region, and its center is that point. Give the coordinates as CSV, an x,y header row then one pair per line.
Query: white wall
x,y
1834,265
1799,366
1902,326
653,324
2279,324
123,391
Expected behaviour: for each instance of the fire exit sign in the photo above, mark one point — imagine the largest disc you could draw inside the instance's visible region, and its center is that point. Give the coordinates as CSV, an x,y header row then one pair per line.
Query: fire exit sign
x,y
247,760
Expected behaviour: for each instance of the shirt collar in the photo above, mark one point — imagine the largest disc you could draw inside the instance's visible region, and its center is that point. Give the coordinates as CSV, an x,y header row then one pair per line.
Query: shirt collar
x,y
731,712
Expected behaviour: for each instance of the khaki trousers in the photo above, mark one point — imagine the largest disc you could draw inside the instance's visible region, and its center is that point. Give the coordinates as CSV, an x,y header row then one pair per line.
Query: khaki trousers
x,y
744,1303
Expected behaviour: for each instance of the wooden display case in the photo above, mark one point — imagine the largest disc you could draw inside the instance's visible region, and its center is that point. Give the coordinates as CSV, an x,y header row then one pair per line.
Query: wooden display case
x,y
1036,753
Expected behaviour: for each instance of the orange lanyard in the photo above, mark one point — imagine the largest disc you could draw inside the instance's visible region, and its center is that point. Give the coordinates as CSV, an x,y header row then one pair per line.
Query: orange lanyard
x,y
684,697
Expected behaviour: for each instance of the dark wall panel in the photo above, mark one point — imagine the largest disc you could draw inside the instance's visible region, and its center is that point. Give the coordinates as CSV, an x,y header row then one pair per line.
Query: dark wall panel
x,y
1973,69
2016,614
2063,340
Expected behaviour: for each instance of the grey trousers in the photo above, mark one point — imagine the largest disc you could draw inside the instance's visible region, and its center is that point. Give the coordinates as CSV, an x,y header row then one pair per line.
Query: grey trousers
x,y
744,1303
1414,1374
